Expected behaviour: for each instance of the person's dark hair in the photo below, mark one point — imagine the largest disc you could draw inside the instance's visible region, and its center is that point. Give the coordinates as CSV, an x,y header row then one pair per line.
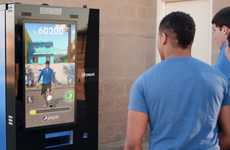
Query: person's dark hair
x,y
47,62
181,25
222,18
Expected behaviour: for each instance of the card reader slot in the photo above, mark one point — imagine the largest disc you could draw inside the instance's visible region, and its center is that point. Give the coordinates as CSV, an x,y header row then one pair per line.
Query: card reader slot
x,y
58,139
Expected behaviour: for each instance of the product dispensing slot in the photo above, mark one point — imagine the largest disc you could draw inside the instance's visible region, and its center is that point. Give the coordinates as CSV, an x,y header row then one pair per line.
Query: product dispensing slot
x,y
58,139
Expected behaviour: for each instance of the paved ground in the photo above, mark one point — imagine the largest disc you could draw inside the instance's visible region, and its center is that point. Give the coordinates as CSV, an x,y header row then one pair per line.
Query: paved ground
x,y
62,112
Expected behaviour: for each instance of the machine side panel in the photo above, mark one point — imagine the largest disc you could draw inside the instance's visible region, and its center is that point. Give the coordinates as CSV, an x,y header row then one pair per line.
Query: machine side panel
x,y
92,76
10,78
2,82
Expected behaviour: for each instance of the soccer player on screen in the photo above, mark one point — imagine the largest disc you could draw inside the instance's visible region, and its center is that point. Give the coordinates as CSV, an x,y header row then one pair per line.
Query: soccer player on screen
x,y
47,75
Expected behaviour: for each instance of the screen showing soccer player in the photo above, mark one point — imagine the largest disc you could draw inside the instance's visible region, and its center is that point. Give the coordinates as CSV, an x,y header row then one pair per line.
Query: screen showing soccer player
x,y
50,53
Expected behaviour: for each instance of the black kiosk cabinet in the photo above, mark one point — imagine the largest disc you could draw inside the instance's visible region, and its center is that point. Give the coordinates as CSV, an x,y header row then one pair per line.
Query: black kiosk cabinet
x,y
49,59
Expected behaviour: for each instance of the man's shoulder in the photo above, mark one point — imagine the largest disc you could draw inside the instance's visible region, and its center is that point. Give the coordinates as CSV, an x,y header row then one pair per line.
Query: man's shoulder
x,y
205,67
220,73
51,69
147,74
212,73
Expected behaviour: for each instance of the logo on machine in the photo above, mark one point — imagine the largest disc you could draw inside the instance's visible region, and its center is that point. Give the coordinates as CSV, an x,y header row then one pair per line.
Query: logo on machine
x,y
50,118
45,118
93,74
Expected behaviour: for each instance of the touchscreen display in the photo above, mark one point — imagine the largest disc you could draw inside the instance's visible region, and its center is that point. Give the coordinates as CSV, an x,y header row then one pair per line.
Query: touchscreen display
x,y
50,52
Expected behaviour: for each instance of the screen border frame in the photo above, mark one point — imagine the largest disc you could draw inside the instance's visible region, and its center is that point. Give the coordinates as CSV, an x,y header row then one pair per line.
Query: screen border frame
x,y
68,22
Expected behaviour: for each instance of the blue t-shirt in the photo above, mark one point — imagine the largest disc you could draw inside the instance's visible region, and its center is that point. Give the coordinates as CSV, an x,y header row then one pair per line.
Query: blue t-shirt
x,y
182,97
47,76
222,63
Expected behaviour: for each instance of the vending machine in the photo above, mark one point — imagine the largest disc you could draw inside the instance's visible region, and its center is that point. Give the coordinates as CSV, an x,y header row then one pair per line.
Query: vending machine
x,y
49,59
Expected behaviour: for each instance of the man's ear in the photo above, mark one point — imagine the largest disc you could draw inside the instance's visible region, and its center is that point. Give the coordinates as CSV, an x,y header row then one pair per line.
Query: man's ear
x,y
226,30
163,38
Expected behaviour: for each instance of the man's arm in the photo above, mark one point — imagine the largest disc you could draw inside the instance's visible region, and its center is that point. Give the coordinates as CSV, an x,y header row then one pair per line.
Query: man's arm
x,y
40,75
136,128
224,120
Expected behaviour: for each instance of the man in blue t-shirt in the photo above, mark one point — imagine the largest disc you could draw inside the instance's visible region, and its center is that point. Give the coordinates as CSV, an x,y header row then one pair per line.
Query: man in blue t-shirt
x,y
47,76
221,34
180,98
